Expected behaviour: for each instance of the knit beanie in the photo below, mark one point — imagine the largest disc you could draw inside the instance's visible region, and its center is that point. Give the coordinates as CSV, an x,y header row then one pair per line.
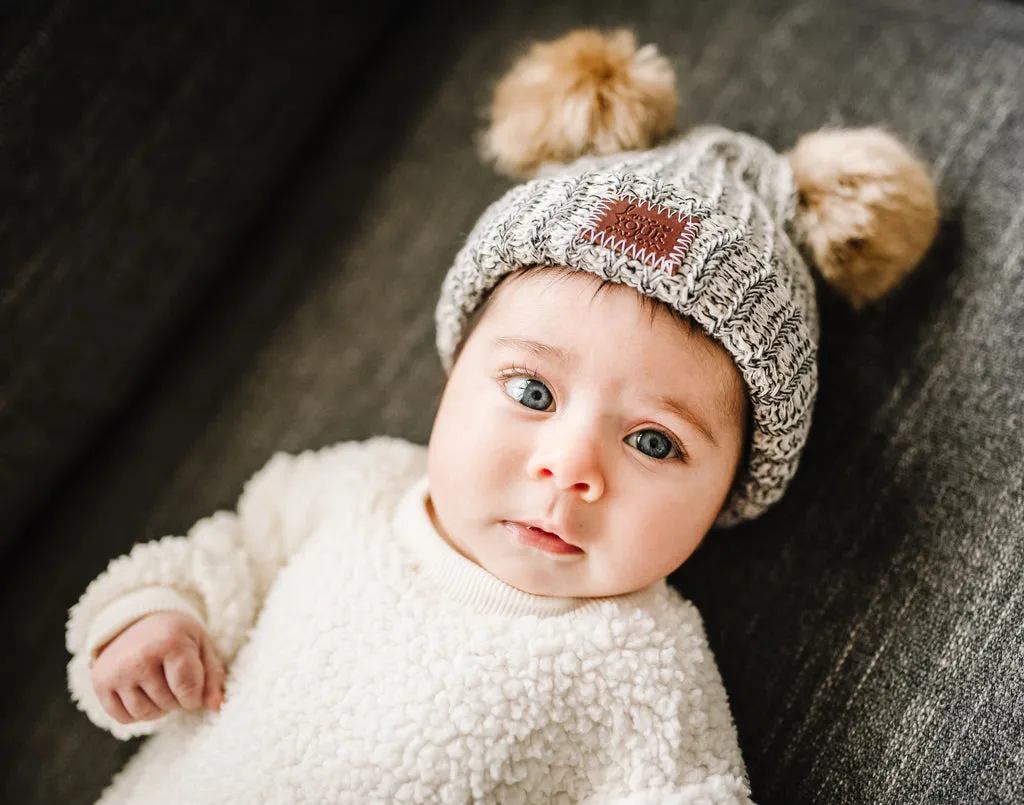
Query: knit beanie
x,y
715,225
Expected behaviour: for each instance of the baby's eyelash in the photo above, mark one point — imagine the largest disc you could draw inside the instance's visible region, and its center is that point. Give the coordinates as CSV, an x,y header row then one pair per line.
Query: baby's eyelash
x,y
519,370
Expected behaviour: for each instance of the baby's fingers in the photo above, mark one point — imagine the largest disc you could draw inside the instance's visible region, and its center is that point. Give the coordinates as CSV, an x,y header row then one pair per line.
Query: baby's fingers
x,y
185,678
139,705
156,687
114,706
213,690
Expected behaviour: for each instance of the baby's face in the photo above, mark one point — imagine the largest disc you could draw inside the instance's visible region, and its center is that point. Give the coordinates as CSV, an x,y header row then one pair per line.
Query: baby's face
x,y
584,444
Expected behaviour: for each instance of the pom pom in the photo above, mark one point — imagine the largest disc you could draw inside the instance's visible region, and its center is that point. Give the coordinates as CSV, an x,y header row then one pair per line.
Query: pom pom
x,y
868,210
587,93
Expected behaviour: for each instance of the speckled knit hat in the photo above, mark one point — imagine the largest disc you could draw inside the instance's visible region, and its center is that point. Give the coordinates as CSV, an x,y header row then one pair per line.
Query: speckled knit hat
x,y
708,225
697,224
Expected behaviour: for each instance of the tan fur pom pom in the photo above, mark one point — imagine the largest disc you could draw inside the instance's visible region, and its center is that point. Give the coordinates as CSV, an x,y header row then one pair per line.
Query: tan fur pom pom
x,y
587,93
868,209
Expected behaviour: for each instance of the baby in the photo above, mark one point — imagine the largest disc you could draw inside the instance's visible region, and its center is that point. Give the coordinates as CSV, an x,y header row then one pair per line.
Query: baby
x,y
631,344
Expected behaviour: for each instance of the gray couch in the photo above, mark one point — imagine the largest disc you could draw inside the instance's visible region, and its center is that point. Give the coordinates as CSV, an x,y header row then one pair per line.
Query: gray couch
x,y
222,233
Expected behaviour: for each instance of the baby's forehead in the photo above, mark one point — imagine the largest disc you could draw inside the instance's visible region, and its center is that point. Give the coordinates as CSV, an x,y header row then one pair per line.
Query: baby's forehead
x,y
574,291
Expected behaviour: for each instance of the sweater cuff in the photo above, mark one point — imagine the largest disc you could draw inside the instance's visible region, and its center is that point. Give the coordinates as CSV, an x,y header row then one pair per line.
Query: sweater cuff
x,y
124,611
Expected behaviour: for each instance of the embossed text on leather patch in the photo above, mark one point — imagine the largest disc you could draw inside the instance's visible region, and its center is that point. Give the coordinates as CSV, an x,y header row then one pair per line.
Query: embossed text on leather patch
x,y
650,233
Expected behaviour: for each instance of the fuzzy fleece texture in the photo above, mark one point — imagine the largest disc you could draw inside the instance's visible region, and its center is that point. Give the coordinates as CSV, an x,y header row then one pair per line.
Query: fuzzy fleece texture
x,y
370,662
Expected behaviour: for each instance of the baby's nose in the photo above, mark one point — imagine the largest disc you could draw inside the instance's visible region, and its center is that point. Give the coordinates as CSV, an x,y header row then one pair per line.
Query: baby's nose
x,y
573,466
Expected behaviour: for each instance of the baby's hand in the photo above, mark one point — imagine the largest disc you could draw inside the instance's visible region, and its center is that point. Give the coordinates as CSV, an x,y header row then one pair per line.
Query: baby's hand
x,y
162,662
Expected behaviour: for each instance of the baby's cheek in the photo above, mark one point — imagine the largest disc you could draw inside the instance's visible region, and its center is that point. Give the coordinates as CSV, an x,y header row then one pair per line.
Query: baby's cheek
x,y
653,552
466,450
679,546
477,446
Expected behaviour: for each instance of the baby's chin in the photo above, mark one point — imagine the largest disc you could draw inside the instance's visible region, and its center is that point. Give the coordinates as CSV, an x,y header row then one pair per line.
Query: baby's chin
x,y
539,575
552,578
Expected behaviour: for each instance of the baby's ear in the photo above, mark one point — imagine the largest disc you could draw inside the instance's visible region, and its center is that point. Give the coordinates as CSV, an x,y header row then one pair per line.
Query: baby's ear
x,y
586,93
867,211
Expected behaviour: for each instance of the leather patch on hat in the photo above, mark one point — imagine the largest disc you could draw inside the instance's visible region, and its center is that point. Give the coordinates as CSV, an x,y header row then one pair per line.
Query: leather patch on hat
x,y
650,233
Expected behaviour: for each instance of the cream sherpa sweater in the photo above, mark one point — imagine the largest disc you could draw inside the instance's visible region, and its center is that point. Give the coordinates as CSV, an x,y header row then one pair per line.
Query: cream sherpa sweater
x,y
370,662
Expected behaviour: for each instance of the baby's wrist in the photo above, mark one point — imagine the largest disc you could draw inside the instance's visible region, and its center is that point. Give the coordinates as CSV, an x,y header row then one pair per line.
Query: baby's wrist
x,y
132,607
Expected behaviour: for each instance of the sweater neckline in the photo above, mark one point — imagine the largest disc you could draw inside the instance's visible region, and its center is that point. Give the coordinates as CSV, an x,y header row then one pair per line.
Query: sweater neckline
x,y
473,586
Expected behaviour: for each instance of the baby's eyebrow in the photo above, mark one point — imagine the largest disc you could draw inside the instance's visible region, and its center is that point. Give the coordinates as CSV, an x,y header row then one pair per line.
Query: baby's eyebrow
x,y
535,348
690,415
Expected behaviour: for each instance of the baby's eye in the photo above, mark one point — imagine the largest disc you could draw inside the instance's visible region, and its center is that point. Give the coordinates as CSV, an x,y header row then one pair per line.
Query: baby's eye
x,y
653,443
531,393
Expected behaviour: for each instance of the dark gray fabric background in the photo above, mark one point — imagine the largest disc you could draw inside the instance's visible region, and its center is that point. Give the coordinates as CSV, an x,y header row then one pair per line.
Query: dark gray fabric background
x,y
137,142
870,628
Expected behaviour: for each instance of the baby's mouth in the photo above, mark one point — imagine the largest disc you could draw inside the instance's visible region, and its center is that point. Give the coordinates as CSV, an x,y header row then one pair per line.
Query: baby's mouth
x,y
536,537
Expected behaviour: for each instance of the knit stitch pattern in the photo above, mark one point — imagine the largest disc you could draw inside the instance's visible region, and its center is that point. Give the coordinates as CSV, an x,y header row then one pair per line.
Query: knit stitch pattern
x,y
740,276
